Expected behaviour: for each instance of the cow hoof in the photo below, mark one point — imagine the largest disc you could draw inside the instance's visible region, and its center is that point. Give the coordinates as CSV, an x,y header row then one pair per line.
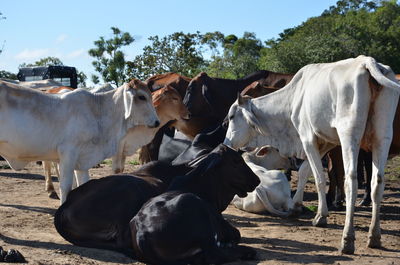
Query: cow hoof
x,y
319,221
2,254
298,209
347,247
374,242
14,256
53,195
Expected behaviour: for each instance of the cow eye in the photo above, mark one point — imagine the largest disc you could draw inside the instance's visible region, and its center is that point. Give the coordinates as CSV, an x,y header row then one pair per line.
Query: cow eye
x,y
175,99
231,117
141,97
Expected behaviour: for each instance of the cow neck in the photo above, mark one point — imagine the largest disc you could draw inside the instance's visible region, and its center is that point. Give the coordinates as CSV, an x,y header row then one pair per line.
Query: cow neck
x,y
229,91
206,185
110,107
247,80
274,115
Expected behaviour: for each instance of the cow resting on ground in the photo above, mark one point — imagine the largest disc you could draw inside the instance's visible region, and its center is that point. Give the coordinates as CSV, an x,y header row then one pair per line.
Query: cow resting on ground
x,y
184,225
349,103
273,193
77,129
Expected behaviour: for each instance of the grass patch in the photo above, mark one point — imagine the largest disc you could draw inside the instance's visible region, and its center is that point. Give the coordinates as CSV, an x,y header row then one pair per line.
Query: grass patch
x,y
5,166
107,162
134,162
312,208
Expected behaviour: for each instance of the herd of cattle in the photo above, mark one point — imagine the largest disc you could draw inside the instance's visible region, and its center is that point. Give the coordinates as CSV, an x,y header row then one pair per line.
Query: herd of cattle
x,y
240,134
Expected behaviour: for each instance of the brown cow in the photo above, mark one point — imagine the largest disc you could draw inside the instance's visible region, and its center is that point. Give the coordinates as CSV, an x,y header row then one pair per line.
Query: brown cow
x,y
60,90
277,80
149,152
177,81
208,99
256,89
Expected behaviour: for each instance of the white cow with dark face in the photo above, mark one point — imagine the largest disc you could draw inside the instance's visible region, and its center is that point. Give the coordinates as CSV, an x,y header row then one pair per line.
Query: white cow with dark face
x,y
77,129
349,103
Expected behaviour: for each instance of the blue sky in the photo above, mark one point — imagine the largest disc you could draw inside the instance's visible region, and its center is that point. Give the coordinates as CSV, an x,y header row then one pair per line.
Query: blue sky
x,y
67,29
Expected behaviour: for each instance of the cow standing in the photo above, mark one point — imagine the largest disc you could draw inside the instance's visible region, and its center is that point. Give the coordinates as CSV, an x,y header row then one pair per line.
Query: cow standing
x,y
350,103
77,129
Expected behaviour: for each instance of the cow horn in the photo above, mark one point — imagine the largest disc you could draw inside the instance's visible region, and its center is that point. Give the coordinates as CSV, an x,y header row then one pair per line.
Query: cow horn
x,y
240,99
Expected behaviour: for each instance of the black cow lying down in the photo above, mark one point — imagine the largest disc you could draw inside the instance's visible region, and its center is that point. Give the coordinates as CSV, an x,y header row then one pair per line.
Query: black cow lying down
x,y
97,214
202,144
184,225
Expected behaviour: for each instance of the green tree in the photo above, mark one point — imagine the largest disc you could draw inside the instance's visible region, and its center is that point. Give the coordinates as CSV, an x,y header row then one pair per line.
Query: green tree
x,y
349,29
239,58
110,60
8,75
179,52
47,61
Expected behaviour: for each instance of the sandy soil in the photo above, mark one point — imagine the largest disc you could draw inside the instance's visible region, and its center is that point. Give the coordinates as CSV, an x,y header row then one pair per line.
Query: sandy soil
x,y
26,224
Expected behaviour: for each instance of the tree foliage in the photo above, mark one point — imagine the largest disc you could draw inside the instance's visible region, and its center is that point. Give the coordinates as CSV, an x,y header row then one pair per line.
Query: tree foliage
x,y
239,57
8,75
178,52
349,29
109,58
47,61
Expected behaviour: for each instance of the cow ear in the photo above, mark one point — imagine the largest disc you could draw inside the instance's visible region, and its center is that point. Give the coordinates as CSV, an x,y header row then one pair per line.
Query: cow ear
x,y
240,99
129,93
206,91
263,151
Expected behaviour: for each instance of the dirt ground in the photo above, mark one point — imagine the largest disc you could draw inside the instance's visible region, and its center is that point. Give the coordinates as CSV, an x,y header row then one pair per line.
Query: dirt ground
x,y
26,224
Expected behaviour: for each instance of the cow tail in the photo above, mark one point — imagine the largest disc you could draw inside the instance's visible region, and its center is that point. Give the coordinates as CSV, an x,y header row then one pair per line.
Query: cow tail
x,y
262,196
376,72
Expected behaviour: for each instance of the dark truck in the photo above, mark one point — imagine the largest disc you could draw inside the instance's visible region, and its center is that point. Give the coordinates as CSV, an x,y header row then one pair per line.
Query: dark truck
x,y
66,75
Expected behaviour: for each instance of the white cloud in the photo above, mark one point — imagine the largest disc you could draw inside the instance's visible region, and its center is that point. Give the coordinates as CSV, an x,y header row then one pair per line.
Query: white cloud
x,y
28,54
61,38
76,53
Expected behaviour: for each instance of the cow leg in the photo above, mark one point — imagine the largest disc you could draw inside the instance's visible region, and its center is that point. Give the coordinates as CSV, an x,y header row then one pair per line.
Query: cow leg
x,y
303,174
350,154
82,176
385,110
330,196
67,164
366,201
314,157
49,182
118,160
228,234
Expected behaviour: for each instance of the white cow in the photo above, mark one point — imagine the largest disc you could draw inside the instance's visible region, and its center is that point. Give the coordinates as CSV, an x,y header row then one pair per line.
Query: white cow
x,y
103,88
273,192
77,129
42,85
348,103
169,106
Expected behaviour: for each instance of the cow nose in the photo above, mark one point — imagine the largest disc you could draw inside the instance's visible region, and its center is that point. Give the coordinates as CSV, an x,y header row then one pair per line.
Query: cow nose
x,y
156,124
